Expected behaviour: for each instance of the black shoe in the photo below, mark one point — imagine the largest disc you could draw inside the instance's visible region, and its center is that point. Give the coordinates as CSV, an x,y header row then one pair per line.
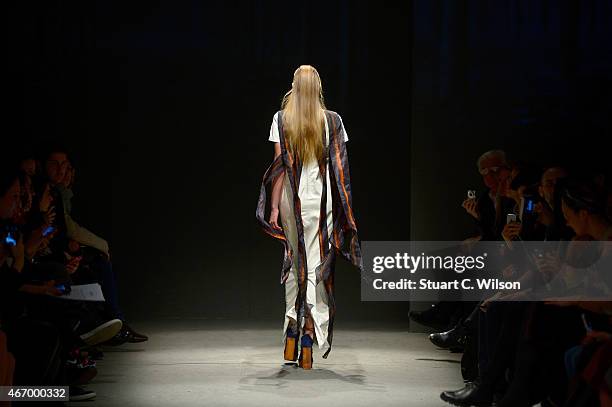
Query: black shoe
x,y
133,336
434,317
473,394
451,394
119,339
454,339
126,334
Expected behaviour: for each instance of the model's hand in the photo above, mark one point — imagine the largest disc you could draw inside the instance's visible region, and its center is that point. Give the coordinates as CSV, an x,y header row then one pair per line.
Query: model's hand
x,y
274,218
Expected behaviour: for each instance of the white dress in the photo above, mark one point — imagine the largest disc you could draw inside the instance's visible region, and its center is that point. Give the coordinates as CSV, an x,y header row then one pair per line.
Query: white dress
x,y
310,190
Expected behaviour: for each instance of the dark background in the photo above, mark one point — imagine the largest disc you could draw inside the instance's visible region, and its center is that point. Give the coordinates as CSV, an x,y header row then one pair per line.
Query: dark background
x,y
531,77
167,106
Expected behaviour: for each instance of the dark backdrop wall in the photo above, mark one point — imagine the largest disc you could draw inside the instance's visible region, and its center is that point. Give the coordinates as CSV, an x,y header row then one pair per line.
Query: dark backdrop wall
x,y
167,106
532,77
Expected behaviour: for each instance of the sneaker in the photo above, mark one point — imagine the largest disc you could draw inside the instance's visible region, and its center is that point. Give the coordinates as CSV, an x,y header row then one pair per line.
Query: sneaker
x,y
102,332
80,359
78,393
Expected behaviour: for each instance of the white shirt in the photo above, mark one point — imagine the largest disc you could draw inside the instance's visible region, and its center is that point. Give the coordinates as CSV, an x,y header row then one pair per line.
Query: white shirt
x,y
276,138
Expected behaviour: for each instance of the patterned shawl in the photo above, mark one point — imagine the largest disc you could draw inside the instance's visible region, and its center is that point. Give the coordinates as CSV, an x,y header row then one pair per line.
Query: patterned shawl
x,y
344,226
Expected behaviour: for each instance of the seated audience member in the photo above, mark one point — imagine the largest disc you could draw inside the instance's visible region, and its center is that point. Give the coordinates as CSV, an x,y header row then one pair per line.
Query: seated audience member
x,y
534,341
549,207
40,329
490,206
82,242
556,329
486,210
522,188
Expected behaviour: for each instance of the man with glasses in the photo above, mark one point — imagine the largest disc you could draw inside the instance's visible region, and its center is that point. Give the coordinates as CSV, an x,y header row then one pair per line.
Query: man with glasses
x,y
494,169
58,170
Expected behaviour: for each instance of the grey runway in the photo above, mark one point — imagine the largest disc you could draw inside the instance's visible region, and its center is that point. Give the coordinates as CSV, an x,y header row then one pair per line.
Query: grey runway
x,y
231,363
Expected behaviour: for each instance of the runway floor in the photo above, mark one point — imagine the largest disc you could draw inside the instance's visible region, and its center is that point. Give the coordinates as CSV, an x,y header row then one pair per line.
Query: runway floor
x,y
225,363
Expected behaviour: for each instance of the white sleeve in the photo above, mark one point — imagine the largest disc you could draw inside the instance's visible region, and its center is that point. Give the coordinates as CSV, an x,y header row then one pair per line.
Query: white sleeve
x,y
274,130
345,133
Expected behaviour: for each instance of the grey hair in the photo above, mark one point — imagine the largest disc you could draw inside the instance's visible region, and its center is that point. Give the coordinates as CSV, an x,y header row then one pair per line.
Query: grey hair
x,y
500,154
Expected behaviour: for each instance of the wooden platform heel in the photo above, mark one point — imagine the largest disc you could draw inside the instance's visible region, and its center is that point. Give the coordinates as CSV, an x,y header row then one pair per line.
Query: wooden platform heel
x,y
291,345
306,359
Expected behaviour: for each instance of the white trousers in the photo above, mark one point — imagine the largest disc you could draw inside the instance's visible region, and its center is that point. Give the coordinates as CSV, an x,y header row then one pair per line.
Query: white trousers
x,y
310,191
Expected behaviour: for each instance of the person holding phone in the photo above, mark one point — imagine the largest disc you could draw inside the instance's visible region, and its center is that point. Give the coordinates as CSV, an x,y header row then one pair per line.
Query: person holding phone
x,y
521,221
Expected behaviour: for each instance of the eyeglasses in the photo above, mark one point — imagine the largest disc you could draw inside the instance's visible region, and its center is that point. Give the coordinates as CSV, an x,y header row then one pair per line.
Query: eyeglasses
x,y
58,164
495,170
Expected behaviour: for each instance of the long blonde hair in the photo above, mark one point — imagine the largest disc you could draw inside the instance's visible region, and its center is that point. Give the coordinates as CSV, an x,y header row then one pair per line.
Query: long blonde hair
x,y
303,114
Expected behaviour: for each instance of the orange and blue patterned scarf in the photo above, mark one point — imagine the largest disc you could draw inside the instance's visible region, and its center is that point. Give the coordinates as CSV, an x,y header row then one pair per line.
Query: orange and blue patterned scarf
x,y
344,239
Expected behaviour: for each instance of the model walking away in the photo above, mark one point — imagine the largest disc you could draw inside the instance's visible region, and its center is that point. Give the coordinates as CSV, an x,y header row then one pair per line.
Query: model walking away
x,y
310,188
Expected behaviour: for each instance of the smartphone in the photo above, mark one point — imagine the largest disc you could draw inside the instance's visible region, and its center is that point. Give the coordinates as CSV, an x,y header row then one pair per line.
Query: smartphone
x,y
527,210
471,194
529,205
10,239
511,217
48,231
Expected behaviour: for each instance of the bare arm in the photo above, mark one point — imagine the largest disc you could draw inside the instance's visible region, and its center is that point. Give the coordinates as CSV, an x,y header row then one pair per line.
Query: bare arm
x,y
276,190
